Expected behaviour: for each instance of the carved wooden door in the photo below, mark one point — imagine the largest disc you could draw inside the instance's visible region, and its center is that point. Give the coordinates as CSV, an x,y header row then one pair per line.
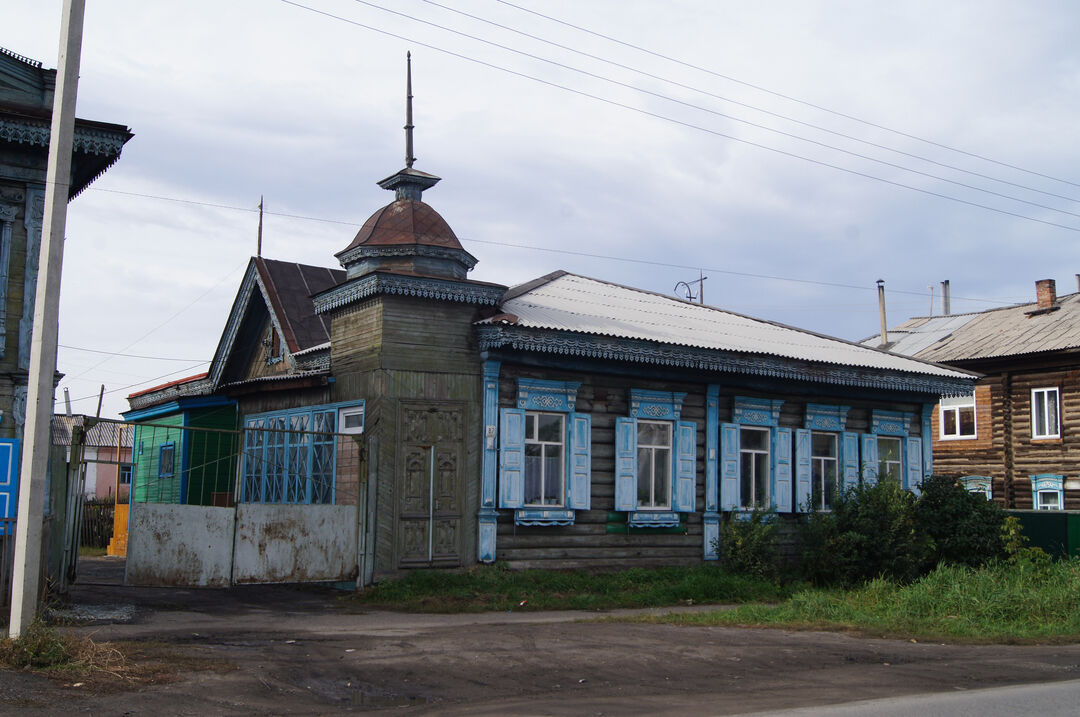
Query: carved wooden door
x,y
430,502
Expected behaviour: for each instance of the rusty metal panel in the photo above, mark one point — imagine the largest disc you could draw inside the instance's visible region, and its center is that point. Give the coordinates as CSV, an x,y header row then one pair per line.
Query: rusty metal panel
x,y
294,543
179,545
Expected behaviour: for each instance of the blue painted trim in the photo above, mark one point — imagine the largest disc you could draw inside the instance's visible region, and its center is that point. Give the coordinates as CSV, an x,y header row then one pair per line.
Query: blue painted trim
x,y
9,481
538,395
487,518
1047,482
544,516
928,441
653,519
822,417
182,404
185,457
656,405
712,450
756,411
711,531
353,290
890,423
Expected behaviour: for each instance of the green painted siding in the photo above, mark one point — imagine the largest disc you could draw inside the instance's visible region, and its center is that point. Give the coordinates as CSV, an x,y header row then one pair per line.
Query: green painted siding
x,y
211,457
146,484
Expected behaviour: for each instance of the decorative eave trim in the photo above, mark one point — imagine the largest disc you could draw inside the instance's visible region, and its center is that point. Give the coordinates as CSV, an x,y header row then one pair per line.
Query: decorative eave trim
x,y
170,393
566,343
232,326
88,140
421,286
438,252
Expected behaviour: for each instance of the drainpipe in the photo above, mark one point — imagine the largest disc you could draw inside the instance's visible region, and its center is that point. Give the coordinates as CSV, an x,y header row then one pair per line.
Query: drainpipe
x,y
881,308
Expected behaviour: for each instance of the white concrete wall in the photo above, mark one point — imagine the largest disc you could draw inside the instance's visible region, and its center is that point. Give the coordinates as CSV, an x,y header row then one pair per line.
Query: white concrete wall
x,y
184,545
294,543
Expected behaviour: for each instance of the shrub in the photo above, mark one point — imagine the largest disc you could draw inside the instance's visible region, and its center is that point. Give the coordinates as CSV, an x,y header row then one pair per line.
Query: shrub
x,y
37,647
870,533
747,544
966,529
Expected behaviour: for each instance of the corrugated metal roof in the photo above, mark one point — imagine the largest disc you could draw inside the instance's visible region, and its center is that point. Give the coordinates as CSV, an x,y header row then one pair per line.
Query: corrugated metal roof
x,y
1000,332
103,434
568,302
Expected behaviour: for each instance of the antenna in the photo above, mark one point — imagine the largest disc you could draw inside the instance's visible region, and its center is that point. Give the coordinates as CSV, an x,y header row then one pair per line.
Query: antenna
x,y
688,290
259,250
409,158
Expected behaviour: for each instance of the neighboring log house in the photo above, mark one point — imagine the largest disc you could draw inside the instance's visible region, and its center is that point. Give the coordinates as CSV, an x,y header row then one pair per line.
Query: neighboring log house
x,y
565,422
1015,437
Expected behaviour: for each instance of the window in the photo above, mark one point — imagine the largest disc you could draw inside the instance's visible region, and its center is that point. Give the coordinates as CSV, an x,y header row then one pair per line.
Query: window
x,y
1044,413
545,437
655,460
957,417
167,460
351,420
1046,491
824,467
545,454
654,464
980,485
755,458
754,468
890,461
290,456
125,475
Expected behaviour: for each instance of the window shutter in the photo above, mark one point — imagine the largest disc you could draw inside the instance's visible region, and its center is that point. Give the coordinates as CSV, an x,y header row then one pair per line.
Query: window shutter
x,y
869,458
578,490
802,470
782,473
729,466
685,488
851,460
625,464
511,458
914,464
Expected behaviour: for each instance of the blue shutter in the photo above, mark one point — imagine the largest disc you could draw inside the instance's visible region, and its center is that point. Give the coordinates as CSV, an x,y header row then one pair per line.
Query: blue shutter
x,y
685,488
578,489
729,466
511,458
914,464
869,458
851,460
625,464
9,478
802,470
782,472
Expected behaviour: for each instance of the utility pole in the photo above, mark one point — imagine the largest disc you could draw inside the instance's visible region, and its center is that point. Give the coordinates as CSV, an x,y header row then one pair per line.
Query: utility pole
x,y
26,576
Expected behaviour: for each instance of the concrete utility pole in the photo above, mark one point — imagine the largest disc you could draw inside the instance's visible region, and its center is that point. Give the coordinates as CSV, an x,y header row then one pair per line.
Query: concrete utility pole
x,y
26,576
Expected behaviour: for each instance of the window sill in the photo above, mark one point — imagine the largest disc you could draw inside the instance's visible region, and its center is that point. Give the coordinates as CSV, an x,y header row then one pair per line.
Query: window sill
x,y
1049,441
957,438
653,519
544,516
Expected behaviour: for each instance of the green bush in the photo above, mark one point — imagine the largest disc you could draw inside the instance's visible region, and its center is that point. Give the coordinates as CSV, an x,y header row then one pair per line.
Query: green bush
x,y
39,646
871,532
747,544
966,529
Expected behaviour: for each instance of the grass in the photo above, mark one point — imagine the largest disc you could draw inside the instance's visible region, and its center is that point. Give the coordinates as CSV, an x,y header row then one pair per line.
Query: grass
x,y
87,551
1001,603
487,588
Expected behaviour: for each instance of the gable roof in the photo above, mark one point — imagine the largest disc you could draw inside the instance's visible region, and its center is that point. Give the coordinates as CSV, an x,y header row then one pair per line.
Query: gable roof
x,y
995,333
572,303
283,290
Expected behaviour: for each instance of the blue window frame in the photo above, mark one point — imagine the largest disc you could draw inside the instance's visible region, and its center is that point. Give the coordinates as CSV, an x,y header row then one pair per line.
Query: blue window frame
x,y
982,485
755,458
655,460
889,451
545,454
167,460
291,456
1047,492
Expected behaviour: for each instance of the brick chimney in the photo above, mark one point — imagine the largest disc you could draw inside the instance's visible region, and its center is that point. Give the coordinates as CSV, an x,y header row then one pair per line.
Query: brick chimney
x,y
1046,293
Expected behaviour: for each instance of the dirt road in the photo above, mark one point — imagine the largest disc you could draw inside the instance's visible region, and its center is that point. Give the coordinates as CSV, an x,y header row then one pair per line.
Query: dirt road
x,y
281,650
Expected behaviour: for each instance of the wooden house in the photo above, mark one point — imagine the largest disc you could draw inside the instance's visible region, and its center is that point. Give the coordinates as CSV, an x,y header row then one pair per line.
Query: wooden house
x,y
1015,437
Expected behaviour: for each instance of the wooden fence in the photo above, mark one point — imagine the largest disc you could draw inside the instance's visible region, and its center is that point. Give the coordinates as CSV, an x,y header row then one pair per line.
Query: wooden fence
x,y
97,524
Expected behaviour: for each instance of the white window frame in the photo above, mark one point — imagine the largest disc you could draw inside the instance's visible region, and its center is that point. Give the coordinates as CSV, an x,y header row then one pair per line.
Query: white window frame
x,y
882,466
1045,485
817,487
754,501
653,450
344,414
980,485
955,405
1045,417
534,440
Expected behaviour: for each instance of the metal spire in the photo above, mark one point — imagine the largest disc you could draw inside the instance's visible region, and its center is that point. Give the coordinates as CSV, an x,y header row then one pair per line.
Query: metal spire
x,y
409,158
259,250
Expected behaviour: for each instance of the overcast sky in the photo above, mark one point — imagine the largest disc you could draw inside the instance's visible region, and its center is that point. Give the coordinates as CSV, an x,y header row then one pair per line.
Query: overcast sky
x,y
659,154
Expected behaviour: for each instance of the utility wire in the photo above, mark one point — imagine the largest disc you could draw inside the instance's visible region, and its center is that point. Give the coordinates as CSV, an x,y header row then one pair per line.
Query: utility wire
x,y
133,385
755,108
116,353
716,113
646,262
682,123
786,97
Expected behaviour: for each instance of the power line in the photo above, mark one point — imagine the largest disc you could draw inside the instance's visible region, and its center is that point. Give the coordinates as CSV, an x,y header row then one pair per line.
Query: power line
x,y
116,353
739,103
682,123
569,252
133,385
786,97
713,112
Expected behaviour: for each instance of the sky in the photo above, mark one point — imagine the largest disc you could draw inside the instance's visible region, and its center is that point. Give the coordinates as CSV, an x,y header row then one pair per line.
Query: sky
x,y
793,152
